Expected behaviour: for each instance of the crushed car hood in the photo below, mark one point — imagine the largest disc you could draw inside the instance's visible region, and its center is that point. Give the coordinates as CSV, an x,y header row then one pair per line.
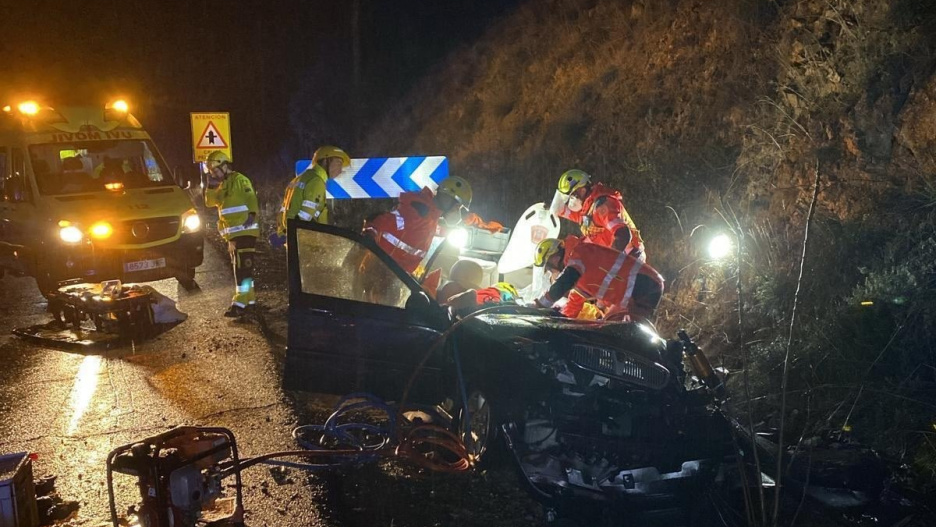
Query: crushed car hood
x,y
540,327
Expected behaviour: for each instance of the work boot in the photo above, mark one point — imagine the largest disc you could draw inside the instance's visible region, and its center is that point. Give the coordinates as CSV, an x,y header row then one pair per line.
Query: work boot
x,y
235,312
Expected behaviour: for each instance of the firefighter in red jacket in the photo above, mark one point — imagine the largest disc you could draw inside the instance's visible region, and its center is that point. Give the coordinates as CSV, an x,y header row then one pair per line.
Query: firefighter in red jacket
x,y
600,211
406,232
622,286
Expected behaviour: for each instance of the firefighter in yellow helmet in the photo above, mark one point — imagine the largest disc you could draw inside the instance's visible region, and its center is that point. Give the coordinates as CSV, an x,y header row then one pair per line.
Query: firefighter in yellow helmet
x,y
305,194
600,212
238,213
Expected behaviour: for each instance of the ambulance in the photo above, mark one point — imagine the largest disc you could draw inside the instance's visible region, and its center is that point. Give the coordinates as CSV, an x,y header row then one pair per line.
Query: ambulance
x,y
86,196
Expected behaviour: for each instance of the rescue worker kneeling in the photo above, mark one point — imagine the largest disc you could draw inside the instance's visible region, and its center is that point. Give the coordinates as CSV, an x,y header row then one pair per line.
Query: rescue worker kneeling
x,y
305,194
233,194
600,212
623,287
406,232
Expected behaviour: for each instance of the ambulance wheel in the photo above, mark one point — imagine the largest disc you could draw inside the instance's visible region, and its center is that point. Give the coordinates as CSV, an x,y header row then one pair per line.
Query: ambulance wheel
x,y
187,279
47,285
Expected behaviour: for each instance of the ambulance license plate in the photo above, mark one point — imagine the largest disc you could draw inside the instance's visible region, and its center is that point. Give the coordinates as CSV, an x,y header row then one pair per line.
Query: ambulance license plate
x,y
144,265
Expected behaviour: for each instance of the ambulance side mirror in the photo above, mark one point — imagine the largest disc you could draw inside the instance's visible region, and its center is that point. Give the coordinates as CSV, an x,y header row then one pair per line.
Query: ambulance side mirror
x,y
181,178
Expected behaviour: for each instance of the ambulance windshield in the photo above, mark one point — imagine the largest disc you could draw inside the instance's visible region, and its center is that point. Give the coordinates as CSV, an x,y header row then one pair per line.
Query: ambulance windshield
x,y
96,166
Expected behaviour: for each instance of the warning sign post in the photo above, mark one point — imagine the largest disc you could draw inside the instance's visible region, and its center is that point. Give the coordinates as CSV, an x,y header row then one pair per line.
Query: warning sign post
x,y
210,131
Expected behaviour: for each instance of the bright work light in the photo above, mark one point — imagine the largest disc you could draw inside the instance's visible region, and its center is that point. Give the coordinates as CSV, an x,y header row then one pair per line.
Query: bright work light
x,y
458,238
720,246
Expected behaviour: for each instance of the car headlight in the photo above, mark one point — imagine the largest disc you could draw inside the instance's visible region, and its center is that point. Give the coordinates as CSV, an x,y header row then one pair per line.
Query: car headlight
x,y
101,230
191,222
71,234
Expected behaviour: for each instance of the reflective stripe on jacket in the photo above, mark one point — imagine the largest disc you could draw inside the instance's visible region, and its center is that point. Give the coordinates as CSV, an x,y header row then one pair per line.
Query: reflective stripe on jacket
x,y
602,214
236,200
304,199
608,276
406,232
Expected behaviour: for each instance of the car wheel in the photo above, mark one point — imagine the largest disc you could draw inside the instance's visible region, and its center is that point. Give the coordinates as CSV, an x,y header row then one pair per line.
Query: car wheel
x,y
479,429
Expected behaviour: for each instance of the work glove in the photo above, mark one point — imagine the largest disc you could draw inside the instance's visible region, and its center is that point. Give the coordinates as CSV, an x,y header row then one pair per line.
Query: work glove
x,y
277,240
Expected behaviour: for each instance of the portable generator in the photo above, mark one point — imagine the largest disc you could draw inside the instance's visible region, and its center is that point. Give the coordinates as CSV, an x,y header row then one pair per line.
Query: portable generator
x,y
180,473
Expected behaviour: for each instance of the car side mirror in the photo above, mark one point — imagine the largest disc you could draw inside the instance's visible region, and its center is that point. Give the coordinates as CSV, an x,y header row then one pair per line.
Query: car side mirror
x,y
418,301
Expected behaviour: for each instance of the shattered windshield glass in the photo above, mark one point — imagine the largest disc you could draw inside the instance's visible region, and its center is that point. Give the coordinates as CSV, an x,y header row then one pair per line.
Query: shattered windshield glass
x,y
94,166
337,267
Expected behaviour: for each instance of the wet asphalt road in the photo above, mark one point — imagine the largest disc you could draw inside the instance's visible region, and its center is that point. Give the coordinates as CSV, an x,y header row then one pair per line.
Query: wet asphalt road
x,y
72,408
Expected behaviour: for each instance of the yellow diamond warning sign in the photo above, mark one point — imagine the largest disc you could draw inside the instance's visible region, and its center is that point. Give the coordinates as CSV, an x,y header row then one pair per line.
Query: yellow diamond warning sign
x,y
210,131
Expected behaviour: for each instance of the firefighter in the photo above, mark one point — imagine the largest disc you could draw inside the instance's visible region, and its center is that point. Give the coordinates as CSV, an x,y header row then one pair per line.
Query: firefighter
x,y
622,285
600,212
233,194
406,232
305,194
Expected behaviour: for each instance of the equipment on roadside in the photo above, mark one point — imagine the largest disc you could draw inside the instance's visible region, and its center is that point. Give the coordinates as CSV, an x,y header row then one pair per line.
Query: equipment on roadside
x,y
17,492
103,315
180,475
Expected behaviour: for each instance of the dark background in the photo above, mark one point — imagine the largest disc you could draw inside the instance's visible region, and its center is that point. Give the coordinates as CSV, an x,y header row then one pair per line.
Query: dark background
x,y
283,69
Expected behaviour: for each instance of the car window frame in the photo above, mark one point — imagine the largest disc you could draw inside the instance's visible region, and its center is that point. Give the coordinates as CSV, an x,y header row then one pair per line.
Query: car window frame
x,y
300,298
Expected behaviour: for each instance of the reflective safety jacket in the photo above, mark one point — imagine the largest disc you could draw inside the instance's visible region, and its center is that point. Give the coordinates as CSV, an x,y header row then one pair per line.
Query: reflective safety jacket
x,y
304,199
602,214
235,199
618,282
406,232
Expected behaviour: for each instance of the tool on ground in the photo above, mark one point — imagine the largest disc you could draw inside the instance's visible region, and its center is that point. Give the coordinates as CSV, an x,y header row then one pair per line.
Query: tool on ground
x,y
17,493
180,475
103,314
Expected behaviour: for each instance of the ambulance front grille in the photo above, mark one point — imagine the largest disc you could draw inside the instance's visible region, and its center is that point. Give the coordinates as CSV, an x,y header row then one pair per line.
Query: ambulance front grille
x,y
146,231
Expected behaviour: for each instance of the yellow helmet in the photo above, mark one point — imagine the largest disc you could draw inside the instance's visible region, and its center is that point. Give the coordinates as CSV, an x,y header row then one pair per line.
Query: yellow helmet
x,y
324,152
572,180
507,289
546,250
457,188
217,157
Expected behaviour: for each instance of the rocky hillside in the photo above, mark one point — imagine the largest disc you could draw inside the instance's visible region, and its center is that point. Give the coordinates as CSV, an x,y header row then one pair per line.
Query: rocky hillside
x,y
717,116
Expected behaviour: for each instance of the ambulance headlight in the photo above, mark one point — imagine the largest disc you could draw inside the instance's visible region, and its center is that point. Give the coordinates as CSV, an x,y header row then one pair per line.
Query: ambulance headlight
x,y
458,238
191,222
71,234
101,230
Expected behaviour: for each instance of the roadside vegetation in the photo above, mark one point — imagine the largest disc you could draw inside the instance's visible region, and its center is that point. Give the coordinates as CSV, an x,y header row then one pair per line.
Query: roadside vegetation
x,y
716,117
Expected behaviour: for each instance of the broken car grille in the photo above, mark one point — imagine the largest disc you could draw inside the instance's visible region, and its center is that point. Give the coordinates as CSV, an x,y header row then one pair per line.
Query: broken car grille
x,y
620,365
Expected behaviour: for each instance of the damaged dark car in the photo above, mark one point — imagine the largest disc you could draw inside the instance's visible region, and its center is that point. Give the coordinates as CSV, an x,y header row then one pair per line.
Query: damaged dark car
x,y
594,415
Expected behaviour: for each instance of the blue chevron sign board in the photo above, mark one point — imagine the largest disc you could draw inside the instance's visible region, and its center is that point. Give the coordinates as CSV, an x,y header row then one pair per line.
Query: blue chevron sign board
x,y
384,177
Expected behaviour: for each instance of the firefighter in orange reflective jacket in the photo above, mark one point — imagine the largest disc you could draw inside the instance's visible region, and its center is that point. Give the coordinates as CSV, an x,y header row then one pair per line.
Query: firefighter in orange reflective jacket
x,y
600,212
623,287
406,232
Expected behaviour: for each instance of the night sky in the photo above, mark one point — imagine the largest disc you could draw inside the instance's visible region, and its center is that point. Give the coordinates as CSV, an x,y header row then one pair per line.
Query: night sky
x,y
283,69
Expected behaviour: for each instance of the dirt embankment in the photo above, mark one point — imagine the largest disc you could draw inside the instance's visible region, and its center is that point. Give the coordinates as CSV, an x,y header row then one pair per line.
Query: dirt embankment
x,y
716,116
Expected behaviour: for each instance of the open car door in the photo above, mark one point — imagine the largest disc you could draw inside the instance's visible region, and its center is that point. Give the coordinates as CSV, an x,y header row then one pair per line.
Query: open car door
x,y
357,321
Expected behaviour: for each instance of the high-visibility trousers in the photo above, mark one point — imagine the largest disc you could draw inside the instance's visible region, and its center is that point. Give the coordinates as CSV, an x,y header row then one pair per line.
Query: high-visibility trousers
x,y
243,249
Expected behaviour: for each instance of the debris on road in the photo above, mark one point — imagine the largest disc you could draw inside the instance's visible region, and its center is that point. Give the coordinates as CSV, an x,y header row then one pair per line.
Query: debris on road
x,y
104,315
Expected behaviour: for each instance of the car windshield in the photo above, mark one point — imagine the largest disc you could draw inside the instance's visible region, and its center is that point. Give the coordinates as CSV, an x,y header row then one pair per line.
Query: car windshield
x,y
93,166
